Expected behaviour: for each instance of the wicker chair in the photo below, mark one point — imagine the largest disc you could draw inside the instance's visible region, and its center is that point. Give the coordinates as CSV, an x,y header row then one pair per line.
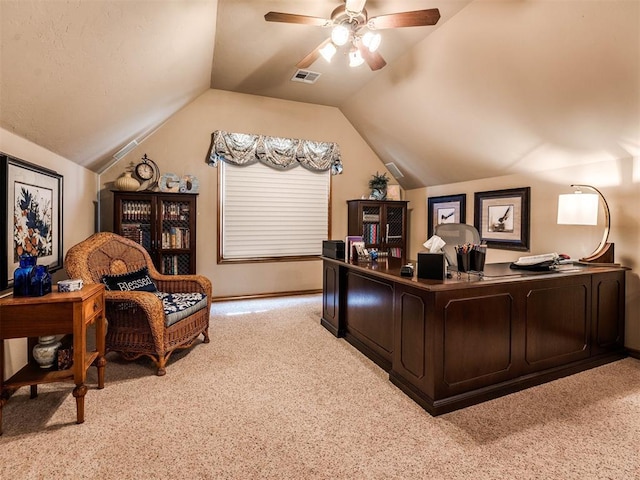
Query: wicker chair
x,y
136,319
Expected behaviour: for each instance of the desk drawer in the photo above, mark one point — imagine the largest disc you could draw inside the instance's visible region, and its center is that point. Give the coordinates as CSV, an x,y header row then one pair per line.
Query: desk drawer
x,y
93,306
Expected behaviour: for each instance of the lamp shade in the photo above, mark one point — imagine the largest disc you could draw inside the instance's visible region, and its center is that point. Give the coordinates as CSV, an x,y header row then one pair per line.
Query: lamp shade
x,y
328,51
578,209
340,35
355,59
372,41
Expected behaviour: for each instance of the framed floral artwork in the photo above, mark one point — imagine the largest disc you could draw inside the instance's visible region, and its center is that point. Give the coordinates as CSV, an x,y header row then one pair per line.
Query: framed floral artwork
x,y
502,218
32,202
446,209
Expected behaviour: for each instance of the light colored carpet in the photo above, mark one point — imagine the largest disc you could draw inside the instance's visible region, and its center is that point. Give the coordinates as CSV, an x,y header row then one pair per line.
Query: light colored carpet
x,y
275,395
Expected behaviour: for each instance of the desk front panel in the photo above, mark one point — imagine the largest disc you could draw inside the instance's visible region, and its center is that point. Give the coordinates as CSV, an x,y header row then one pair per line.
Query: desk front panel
x,y
448,347
369,315
608,312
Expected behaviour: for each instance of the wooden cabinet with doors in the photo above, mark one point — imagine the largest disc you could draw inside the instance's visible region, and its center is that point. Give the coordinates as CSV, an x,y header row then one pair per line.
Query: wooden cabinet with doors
x,y
163,223
381,223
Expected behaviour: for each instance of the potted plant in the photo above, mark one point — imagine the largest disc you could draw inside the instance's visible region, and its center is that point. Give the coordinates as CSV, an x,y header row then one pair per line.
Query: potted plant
x,y
378,186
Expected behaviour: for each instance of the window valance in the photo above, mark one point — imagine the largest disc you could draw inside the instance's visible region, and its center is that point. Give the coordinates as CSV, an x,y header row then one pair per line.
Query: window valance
x,y
281,153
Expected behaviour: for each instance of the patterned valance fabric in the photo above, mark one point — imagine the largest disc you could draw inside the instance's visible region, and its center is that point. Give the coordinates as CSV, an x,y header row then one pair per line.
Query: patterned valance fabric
x,y
282,153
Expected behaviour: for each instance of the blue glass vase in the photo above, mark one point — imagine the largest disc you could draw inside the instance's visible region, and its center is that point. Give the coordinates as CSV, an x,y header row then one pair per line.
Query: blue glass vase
x,y
40,281
22,276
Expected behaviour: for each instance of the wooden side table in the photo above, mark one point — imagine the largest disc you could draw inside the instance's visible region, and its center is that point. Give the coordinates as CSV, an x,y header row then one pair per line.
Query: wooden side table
x,y
56,313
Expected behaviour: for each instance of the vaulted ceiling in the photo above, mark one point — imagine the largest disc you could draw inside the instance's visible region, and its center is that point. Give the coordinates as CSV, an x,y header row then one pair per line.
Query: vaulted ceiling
x,y
495,87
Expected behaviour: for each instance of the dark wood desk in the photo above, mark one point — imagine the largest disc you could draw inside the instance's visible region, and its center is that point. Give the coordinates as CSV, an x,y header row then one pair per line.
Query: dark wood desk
x,y
454,343
54,314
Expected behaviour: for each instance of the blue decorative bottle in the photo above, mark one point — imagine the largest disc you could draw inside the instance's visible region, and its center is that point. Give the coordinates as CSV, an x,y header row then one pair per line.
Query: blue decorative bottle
x,y
22,276
40,281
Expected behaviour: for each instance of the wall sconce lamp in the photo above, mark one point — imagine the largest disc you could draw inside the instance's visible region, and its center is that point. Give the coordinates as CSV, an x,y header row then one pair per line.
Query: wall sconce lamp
x,y
580,208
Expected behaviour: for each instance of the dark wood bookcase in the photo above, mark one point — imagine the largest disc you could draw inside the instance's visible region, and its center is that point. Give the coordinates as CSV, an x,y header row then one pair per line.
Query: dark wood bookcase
x,y
381,223
163,223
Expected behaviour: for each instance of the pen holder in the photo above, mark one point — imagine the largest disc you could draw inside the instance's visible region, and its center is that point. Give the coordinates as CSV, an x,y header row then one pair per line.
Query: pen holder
x,y
464,261
477,260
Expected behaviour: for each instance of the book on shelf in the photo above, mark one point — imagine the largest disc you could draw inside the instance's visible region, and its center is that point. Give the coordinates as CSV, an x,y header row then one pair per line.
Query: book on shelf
x,y
135,210
370,233
175,211
170,265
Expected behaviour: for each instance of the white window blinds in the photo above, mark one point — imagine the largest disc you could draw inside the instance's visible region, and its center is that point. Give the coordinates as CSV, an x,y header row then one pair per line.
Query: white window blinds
x,y
269,213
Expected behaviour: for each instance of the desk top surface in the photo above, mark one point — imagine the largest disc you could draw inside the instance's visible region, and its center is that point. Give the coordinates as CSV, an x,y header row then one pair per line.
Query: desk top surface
x,y
494,273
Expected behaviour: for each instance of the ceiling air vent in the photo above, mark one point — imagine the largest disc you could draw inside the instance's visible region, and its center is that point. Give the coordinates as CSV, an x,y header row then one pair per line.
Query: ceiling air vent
x,y
395,171
305,76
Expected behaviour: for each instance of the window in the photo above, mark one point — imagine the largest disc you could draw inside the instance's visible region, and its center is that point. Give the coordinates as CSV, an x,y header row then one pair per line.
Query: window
x,y
272,214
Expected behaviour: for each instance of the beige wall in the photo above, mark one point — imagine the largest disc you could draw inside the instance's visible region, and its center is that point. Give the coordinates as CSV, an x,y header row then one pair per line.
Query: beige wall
x,y
180,146
619,181
79,195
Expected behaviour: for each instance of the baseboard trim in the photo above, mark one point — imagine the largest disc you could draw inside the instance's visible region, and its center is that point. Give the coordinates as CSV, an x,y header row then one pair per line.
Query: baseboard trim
x,y
265,295
633,353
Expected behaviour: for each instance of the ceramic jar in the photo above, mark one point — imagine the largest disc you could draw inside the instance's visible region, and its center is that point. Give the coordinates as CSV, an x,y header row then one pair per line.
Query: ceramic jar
x,y
44,352
126,183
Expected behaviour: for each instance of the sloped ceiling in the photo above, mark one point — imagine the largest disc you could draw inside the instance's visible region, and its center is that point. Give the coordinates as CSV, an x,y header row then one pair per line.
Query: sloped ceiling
x,y
496,87
83,78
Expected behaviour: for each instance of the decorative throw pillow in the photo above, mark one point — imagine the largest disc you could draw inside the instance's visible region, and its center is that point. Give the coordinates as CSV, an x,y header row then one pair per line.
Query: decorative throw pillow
x,y
138,280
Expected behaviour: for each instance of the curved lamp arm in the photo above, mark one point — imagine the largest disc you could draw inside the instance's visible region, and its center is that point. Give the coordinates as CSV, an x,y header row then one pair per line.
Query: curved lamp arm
x,y
607,218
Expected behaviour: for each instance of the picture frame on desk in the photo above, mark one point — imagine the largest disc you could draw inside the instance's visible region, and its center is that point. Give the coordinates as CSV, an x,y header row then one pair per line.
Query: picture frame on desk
x,y
446,209
349,241
31,199
360,252
502,218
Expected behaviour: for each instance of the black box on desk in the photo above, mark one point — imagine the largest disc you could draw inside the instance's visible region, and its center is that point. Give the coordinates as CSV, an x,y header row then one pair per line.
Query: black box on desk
x,y
333,249
431,266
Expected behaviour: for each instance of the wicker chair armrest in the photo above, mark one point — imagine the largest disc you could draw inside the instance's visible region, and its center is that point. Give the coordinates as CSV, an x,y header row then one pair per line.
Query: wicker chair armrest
x,y
150,304
184,284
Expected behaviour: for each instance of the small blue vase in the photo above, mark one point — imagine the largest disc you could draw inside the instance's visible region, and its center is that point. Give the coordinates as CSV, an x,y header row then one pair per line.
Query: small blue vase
x,y
22,276
40,281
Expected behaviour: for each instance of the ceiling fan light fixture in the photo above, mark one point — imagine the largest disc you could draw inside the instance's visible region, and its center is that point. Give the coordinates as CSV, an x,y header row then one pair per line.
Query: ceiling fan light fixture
x,y
340,35
328,51
355,59
372,41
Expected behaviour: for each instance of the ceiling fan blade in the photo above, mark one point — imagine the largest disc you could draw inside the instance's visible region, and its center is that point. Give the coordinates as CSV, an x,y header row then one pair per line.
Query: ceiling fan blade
x,y
418,18
312,56
373,59
354,6
294,18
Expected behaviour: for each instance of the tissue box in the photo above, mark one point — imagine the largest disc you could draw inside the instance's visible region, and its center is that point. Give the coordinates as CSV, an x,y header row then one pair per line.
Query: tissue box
x,y
431,266
71,285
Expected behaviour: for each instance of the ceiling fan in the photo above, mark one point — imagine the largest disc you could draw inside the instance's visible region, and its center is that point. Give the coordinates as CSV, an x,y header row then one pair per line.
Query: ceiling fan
x,y
351,26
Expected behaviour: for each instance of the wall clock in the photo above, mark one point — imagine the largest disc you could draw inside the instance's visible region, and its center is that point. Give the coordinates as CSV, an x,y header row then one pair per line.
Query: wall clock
x,y
148,172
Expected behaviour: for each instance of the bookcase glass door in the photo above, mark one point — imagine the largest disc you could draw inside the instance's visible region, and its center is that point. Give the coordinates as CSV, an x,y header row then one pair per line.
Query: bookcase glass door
x,y
136,221
394,230
371,230
176,237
